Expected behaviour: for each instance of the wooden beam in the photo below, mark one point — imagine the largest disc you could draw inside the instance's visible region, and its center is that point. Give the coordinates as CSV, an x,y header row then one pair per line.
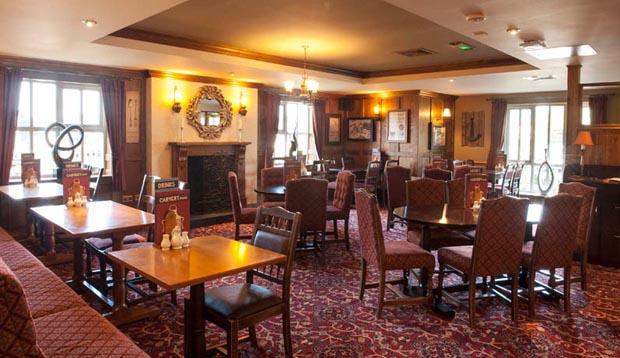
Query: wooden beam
x,y
202,79
573,115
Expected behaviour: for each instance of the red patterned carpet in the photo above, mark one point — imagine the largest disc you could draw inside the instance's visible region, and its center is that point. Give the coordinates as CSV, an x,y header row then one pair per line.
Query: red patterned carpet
x,y
328,320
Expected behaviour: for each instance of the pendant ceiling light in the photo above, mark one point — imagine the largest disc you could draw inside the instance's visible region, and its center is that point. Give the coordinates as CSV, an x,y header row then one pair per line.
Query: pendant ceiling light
x,y
308,88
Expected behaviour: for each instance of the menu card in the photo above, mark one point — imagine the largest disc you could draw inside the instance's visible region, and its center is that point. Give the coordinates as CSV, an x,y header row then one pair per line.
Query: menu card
x,y
75,180
475,188
31,170
170,201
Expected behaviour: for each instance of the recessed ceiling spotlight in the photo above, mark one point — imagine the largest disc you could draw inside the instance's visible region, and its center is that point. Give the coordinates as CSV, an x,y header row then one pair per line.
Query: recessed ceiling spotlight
x,y
531,45
481,33
475,17
231,74
451,80
89,22
513,30
562,52
539,78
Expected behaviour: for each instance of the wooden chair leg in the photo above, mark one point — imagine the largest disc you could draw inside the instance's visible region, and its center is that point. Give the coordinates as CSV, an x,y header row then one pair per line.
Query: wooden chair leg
x,y
429,288
286,327
346,233
89,266
440,276
551,281
252,334
390,220
363,279
335,229
381,292
567,291
584,269
514,297
232,340
531,294
237,231
472,302
103,274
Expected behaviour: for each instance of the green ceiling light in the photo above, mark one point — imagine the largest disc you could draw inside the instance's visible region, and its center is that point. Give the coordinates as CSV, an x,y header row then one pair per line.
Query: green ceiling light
x,y
462,46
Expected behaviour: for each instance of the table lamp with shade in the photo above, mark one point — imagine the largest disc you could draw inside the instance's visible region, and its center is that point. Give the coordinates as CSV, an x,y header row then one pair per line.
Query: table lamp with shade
x,y
583,139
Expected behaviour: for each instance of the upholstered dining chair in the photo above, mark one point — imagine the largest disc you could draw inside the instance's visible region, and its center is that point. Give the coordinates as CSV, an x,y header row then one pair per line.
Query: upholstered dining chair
x,y
554,244
461,170
341,205
496,249
426,192
241,215
388,255
503,188
456,193
272,176
396,179
373,177
586,214
244,305
437,173
308,196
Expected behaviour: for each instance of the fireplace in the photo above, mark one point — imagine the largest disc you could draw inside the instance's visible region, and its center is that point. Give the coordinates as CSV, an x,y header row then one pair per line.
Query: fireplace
x,y
204,166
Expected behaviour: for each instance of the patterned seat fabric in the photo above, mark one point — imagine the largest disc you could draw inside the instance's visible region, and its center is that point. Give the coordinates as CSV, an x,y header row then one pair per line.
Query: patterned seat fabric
x,y
405,255
309,197
17,330
343,196
396,178
436,173
15,256
585,212
272,176
425,192
240,215
458,257
103,244
456,193
461,170
82,332
131,246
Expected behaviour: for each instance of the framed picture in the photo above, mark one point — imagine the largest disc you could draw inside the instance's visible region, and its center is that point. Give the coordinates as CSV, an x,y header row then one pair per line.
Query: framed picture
x,y
362,129
132,117
398,126
472,129
334,129
439,136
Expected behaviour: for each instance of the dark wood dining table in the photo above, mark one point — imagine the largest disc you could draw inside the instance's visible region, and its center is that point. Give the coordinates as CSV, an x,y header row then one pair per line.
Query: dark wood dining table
x,y
271,190
101,219
207,258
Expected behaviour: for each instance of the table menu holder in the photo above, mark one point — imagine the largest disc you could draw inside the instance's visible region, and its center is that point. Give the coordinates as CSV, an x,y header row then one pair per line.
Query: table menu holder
x,y
171,209
76,186
476,187
31,170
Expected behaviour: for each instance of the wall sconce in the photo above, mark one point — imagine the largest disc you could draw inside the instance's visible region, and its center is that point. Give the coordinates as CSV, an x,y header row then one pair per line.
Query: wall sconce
x,y
447,113
243,103
176,106
377,108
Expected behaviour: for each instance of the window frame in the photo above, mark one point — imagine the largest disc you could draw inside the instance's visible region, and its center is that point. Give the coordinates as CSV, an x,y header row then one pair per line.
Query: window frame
x,y
88,128
288,136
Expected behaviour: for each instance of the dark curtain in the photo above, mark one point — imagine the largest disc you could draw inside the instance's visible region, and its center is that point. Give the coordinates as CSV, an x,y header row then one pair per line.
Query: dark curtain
x,y
10,84
114,106
268,122
598,108
318,123
498,125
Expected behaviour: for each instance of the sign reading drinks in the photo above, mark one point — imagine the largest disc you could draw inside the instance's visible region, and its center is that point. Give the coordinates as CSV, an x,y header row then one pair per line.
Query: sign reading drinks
x,y
171,208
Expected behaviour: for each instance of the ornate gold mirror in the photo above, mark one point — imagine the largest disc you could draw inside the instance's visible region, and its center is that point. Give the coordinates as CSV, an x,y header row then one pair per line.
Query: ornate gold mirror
x,y
209,112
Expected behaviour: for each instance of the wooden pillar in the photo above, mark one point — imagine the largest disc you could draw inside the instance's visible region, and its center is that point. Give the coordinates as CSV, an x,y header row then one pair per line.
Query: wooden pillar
x,y
573,115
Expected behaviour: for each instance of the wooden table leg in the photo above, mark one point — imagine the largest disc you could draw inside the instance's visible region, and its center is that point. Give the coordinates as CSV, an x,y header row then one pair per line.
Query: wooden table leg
x,y
194,325
78,262
121,314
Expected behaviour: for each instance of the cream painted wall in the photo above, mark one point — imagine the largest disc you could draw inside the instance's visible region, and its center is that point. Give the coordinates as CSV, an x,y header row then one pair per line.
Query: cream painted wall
x,y
472,104
163,126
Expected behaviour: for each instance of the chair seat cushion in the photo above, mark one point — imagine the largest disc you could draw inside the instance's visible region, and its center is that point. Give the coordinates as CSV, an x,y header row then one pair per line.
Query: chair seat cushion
x,y
240,300
248,216
132,246
458,257
333,213
406,255
102,244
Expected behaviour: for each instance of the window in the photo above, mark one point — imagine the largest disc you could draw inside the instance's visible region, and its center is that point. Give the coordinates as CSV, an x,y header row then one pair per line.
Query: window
x,y
295,117
42,103
586,120
530,130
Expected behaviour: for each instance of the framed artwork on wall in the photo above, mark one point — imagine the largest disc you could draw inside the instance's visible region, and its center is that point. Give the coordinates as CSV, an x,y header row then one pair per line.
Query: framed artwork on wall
x,y
398,126
439,136
334,129
361,129
132,117
472,129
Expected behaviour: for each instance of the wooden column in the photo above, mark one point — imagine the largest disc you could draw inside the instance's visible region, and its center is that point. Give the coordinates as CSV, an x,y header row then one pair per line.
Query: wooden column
x,y
573,115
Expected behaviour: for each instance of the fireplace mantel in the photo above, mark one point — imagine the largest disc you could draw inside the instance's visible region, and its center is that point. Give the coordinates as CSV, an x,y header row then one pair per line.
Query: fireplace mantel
x,y
181,151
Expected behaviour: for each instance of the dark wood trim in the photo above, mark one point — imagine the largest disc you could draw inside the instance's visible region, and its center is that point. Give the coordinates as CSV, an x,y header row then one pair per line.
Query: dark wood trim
x,y
447,67
163,39
202,79
70,68
600,84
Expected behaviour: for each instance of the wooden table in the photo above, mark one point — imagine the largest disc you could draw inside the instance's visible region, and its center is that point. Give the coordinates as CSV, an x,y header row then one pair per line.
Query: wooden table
x,y
101,219
271,190
207,258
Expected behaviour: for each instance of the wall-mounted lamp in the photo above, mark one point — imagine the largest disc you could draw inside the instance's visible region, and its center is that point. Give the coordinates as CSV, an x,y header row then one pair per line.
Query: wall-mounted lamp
x,y
243,103
447,112
377,108
176,106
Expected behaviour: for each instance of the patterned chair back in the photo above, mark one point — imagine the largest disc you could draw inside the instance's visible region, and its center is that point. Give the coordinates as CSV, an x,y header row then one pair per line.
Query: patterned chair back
x,y
272,176
456,193
343,195
461,170
373,174
499,236
369,226
425,192
396,180
308,196
556,234
437,173
586,209
235,197
439,163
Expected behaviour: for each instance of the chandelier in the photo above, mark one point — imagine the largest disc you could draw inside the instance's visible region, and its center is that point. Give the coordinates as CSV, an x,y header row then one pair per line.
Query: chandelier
x,y
308,88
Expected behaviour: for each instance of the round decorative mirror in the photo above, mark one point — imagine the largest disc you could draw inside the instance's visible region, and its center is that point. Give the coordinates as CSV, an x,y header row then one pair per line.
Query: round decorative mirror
x,y
209,112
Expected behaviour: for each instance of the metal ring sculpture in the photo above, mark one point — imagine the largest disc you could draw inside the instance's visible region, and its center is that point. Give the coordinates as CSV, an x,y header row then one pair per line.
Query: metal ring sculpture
x,y
65,130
